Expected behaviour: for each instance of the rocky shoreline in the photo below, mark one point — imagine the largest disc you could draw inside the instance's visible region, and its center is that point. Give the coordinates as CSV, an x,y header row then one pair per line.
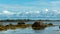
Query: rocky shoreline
x,y
36,26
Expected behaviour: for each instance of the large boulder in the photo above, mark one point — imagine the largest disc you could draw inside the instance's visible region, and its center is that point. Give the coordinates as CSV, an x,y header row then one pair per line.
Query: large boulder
x,y
38,25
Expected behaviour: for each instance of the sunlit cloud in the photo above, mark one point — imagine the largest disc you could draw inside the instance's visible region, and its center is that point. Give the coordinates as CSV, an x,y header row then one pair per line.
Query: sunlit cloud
x,y
7,12
46,10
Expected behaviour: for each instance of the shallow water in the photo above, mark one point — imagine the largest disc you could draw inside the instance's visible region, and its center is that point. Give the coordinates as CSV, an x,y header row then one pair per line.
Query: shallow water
x,y
29,30
15,23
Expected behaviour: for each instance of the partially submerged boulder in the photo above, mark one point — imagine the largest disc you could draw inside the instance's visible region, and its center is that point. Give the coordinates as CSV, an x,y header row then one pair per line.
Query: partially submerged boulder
x,y
38,25
21,24
50,24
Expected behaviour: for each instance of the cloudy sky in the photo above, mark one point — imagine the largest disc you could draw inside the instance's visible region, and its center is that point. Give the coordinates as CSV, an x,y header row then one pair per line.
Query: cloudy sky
x,y
30,9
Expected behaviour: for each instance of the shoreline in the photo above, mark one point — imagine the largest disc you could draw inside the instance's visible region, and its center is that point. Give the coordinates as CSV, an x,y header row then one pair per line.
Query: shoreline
x,y
24,20
17,26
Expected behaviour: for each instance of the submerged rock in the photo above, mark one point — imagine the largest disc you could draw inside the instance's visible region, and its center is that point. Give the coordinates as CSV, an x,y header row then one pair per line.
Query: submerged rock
x,y
19,23
50,24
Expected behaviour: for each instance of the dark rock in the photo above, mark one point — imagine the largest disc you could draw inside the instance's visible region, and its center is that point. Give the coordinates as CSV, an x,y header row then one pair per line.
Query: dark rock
x,y
59,27
50,24
38,25
19,23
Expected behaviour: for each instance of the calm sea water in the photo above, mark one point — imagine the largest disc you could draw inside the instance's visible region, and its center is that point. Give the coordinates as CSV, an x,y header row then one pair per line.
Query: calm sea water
x,y
15,23
29,30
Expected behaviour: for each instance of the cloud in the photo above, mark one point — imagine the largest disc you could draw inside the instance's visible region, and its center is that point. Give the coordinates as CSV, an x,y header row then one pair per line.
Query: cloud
x,y
36,8
46,9
7,12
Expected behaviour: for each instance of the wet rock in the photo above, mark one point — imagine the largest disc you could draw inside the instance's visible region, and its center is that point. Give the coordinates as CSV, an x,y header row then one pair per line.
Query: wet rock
x,y
19,23
38,25
50,24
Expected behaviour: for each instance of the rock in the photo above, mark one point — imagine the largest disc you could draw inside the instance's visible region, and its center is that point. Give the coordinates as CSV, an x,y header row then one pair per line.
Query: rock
x,y
19,23
50,24
38,25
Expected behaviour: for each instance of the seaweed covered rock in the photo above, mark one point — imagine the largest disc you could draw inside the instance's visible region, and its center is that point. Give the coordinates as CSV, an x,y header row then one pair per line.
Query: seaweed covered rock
x,y
10,26
19,23
50,24
38,25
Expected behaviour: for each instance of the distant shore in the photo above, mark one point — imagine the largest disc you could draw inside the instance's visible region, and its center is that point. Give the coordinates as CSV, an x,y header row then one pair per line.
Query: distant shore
x,y
24,20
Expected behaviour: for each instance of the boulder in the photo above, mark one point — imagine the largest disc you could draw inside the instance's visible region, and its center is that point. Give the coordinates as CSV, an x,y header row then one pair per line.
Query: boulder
x,y
19,23
38,25
50,24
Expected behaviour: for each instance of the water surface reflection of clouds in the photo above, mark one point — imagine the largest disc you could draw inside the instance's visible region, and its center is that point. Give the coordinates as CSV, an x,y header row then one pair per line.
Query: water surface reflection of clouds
x,y
48,30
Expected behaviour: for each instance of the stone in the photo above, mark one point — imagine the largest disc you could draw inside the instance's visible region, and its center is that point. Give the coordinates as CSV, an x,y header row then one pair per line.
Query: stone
x,y
38,25
19,23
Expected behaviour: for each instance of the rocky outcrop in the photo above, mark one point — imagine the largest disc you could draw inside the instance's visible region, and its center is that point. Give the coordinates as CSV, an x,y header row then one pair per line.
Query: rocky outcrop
x,y
38,25
50,24
21,25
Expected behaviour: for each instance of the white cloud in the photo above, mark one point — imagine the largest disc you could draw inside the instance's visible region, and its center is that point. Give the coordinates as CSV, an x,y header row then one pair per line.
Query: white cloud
x,y
7,12
27,12
46,9
37,12
56,12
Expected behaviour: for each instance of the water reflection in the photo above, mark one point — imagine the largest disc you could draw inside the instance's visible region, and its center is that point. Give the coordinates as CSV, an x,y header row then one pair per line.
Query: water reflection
x,y
37,28
29,30
38,31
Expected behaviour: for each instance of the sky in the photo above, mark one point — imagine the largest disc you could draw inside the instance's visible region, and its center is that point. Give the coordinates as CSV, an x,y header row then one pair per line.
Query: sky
x,y
30,9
